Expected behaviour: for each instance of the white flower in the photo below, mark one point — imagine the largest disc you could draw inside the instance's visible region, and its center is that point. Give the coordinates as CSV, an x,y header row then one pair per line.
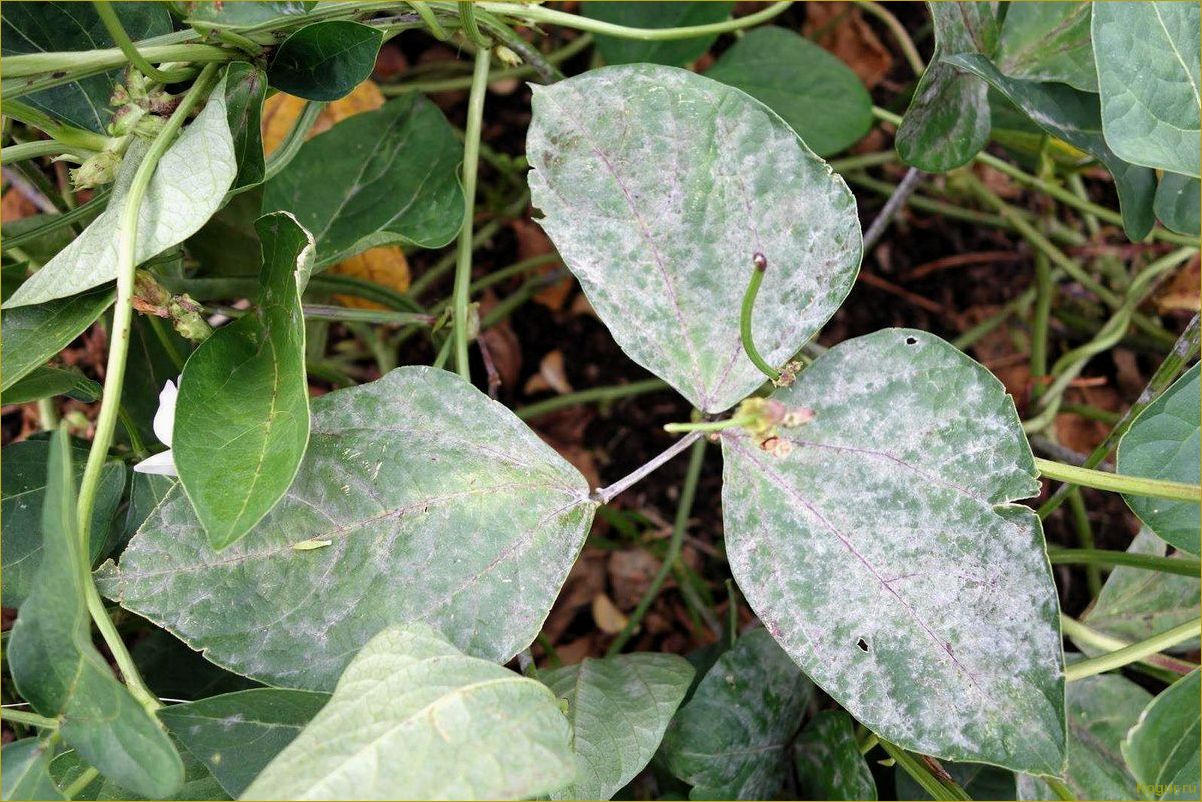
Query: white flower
x,y
164,424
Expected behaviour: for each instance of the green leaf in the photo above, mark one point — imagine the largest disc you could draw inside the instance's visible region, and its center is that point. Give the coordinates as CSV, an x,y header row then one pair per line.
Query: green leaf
x,y
1073,116
27,771
173,671
325,60
242,418
1101,710
947,122
828,760
1162,749
34,334
658,186
382,177
440,504
198,783
245,89
246,15
156,355
978,781
793,76
731,740
412,718
27,27
879,544
46,382
61,674
1136,604
22,497
237,734
1148,58
1049,41
228,245
188,186
672,52
1163,443
619,708
1177,203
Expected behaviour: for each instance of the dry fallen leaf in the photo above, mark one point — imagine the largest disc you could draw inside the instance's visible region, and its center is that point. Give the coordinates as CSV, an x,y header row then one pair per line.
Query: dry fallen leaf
x,y
843,31
1181,292
14,206
532,242
550,376
607,616
630,574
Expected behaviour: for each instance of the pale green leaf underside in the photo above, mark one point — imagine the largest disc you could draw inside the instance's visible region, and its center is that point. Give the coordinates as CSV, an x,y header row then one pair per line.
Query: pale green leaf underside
x,y
440,505
187,188
1163,443
412,718
1164,743
242,418
884,554
1049,41
1178,203
26,772
619,708
1101,710
1148,56
828,760
731,740
658,186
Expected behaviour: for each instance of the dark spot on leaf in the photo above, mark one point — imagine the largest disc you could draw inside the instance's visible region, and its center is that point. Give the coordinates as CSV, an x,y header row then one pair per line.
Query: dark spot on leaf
x,y
58,74
911,340
863,644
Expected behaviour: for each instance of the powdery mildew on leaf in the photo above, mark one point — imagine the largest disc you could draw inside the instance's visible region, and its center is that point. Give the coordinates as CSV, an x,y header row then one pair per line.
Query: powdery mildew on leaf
x,y
882,552
658,185
440,505
188,186
412,718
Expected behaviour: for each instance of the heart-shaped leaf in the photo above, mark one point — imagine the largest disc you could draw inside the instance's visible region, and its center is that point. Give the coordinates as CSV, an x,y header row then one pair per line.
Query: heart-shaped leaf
x,y
412,718
828,760
947,122
658,186
879,546
1049,41
242,418
1163,443
1150,82
61,674
731,740
188,185
1162,748
325,60
652,14
619,708
427,501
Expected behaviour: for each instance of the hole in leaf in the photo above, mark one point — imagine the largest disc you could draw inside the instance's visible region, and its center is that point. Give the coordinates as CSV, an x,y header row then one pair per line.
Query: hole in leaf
x,y
911,340
863,644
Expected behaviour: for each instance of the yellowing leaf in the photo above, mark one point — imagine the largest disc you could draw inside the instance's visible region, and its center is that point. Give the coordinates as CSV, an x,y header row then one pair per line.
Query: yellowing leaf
x,y
386,266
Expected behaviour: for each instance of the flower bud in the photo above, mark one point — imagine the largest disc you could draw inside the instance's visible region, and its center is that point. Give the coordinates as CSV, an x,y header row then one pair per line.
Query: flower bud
x,y
96,170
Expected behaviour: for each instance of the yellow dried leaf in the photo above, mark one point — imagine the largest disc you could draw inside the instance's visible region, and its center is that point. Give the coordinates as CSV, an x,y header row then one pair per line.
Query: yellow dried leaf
x,y
386,266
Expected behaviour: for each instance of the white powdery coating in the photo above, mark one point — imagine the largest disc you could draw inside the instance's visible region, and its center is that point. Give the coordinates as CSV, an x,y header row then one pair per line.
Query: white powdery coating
x,y
882,554
440,505
658,186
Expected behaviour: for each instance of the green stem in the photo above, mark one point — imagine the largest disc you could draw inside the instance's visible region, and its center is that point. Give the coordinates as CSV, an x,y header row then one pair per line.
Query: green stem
x,y
593,395
81,782
464,82
938,789
39,148
430,19
1126,655
1093,576
553,17
344,313
1118,483
127,232
869,743
899,33
1062,791
80,64
467,16
687,493
283,155
112,24
471,157
66,135
1147,562
29,719
760,266
711,426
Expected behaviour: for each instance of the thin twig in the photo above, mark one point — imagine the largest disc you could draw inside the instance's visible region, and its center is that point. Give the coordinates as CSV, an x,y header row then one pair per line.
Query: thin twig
x,y
892,206
604,495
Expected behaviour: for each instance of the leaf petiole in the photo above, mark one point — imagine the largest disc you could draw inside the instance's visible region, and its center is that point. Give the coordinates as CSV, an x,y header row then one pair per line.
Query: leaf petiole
x,y
760,263
1118,483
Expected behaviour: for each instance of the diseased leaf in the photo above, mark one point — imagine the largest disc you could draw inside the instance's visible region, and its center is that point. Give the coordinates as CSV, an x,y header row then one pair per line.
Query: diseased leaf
x,y
237,734
1163,443
1162,749
619,708
1136,604
386,177
325,60
1101,710
46,382
37,27
442,507
947,122
1148,56
1073,116
22,497
412,718
1177,203
1049,41
977,779
658,186
880,546
61,674
245,89
220,14
793,76
26,772
242,418
828,760
652,14
34,334
188,185
731,740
